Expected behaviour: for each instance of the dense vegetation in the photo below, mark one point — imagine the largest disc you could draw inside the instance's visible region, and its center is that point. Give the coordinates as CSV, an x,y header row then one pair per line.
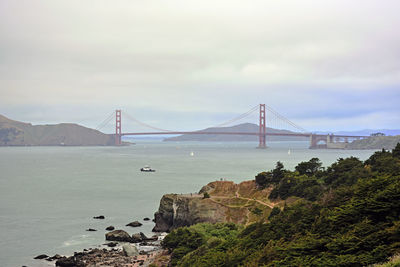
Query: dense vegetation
x,y
348,215
203,237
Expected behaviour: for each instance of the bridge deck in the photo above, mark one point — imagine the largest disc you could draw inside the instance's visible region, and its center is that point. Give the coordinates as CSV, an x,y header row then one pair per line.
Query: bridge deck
x,y
245,133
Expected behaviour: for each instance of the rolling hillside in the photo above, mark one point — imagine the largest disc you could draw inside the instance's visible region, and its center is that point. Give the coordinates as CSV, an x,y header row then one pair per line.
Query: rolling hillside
x,y
15,133
375,142
245,127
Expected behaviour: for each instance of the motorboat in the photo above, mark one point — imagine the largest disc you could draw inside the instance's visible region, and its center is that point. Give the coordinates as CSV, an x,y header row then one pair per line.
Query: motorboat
x,y
147,169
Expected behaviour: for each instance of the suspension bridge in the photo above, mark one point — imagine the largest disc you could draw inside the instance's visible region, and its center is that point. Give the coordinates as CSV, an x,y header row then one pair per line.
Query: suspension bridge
x,y
266,116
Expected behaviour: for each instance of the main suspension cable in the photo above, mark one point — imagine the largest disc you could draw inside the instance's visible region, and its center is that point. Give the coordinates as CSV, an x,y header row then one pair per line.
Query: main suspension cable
x,y
244,115
286,119
105,122
144,124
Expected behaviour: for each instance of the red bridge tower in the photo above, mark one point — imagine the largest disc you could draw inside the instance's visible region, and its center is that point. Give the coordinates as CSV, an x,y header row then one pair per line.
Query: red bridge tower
x,y
118,127
262,126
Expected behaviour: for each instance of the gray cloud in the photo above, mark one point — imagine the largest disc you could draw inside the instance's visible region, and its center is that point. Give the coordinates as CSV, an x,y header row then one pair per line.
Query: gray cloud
x,y
314,61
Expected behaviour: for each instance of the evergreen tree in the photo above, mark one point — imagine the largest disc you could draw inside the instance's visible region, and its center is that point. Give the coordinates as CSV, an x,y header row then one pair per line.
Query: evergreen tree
x,y
396,151
278,173
309,167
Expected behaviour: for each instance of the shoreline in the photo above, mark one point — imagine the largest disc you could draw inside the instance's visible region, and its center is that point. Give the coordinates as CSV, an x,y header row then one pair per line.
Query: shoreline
x,y
118,248
111,253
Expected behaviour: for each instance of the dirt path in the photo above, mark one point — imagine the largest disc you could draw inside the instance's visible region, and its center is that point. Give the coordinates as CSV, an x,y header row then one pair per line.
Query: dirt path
x,y
259,201
237,195
240,197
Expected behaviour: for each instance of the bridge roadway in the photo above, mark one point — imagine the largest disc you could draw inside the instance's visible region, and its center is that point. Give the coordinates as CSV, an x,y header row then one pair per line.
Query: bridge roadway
x,y
248,133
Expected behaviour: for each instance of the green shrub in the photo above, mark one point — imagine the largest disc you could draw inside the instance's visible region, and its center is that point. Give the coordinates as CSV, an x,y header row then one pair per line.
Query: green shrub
x,y
206,195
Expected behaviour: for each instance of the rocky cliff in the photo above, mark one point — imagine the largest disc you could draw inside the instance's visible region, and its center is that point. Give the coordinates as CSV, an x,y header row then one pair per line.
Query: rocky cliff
x,y
228,202
15,133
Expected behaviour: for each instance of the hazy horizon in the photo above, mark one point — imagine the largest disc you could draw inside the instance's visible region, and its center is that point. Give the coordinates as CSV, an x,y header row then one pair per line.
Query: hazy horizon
x,y
188,65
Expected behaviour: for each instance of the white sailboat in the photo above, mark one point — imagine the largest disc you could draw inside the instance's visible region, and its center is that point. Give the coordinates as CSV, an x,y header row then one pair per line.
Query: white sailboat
x,y
289,152
191,153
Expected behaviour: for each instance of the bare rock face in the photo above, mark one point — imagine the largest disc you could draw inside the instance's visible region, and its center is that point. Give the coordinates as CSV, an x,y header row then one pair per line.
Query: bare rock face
x,y
118,235
177,210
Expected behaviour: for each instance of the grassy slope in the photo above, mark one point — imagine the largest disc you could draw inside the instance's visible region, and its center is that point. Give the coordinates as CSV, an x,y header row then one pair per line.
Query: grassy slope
x,y
242,203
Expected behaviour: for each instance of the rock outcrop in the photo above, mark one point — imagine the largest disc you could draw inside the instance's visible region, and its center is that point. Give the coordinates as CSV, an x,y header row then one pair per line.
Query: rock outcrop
x,y
134,224
41,256
130,250
118,235
177,210
228,202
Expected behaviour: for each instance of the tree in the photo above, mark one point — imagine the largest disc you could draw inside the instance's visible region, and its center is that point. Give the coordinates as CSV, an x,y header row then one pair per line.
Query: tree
x,y
382,161
345,172
309,167
275,211
278,173
263,179
396,151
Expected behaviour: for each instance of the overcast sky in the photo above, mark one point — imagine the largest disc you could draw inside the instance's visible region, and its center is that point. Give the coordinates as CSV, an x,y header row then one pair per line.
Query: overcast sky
x,y
326,65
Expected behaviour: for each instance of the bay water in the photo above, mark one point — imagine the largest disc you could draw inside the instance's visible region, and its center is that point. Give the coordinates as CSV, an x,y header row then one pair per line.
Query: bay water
x,y
49,195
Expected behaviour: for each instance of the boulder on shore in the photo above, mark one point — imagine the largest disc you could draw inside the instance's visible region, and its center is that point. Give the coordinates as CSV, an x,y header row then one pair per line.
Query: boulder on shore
x,y
91,230
143,236
130,250
41,257
146,219
101,217
118,235
134,224
55,257
153,238
136,238
111,244
110,228
69,262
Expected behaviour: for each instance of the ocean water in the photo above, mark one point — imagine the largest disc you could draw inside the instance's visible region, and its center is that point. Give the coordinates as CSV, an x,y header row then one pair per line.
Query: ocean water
x,y
48,195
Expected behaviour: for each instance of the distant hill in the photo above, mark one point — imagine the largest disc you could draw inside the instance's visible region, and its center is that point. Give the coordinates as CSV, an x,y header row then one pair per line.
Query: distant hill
x,y
376,142
245,127
15,133
367,132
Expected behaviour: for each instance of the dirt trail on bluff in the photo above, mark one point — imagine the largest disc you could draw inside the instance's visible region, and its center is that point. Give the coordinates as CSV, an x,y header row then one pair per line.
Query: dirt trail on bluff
x,y
242,203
